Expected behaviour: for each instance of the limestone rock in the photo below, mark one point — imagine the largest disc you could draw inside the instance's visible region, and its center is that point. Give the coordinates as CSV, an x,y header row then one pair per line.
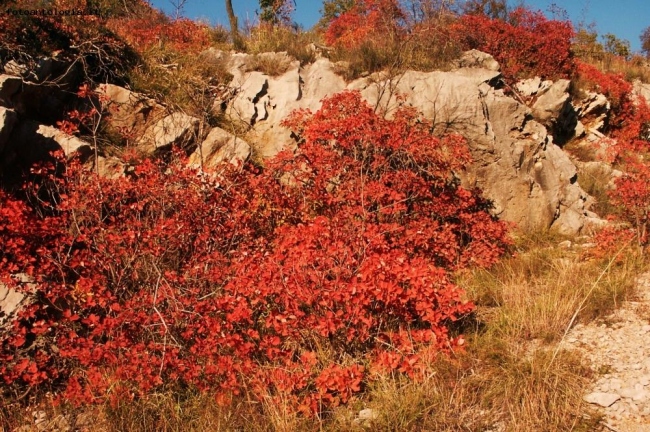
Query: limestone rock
x,y
477,59
551,102
593,105
68,143
219,146
602,399
487,76
262,102
531,86
12,300
517,165
366,417
175,129
8,119
636,394
642,89
130,113
9,86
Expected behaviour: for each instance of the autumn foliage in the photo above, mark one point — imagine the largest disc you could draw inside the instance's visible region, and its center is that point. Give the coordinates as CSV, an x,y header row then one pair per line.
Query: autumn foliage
x,y
152,28
367,20
526,44
628,144
240,280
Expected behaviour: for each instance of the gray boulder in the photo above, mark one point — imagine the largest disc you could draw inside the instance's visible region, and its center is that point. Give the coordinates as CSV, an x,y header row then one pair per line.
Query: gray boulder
x,y
8,119
129,113
9,86
13,299
218,147
175,129
530,180
642,89
477,59
551,103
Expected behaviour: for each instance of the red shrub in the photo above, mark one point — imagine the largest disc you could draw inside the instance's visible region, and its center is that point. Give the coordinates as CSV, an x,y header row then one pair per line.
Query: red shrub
x,y
168,277
368,20
528,44
155,29
614,86
632,153
629,127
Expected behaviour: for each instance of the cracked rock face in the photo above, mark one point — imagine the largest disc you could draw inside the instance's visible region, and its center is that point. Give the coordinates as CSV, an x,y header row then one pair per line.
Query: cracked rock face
x,y
642,89
530,179
14,298
219,146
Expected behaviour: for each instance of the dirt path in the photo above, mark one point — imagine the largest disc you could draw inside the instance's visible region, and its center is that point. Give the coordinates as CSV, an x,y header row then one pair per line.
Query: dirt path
x,y
618,347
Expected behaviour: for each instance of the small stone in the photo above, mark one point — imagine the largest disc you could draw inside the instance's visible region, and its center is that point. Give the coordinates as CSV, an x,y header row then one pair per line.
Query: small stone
x,y
602,399
634,394
646,328
366,416
615,384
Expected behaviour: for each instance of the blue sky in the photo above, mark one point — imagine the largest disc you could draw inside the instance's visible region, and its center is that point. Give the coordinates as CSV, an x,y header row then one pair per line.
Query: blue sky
x,y
624,18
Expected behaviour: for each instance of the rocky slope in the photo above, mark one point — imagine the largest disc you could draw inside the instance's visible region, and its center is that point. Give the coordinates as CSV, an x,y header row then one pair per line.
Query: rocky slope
x,y
617,347
530,179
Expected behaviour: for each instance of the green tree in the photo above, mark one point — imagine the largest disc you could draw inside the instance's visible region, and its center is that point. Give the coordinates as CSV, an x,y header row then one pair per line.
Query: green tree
x,y
645,41
586,45
332,9
276,12
616,46
497,9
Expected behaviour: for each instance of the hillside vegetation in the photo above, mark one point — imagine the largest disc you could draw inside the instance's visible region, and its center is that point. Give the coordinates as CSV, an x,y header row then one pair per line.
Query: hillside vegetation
x,y
351,284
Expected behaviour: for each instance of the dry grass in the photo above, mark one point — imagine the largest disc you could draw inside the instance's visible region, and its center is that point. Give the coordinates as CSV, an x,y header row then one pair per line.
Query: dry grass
x,y
296,43
635,68
534,294
272,64
421,52
490,386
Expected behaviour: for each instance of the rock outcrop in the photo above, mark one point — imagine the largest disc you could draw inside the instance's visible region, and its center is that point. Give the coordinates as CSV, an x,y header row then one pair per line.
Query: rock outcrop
x,y
175,129
219,146
531,181
13,299
512,137
642,89
129,113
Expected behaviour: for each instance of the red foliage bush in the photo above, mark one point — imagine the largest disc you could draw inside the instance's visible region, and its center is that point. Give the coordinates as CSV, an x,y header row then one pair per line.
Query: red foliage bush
x,y
368,20
632,153
153,28
629,127
526,45
230,281
614,86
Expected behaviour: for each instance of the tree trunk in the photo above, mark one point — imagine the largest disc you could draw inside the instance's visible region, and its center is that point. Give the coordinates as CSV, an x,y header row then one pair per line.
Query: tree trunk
x,y
234,31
